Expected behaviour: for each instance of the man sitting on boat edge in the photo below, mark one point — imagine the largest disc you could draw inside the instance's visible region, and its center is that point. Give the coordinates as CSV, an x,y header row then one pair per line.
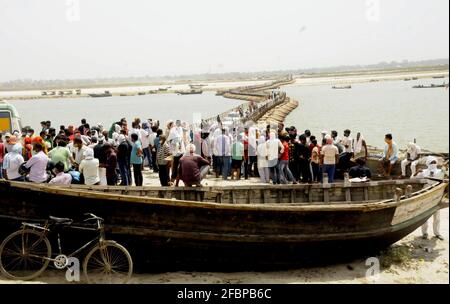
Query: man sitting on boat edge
x,y
192,168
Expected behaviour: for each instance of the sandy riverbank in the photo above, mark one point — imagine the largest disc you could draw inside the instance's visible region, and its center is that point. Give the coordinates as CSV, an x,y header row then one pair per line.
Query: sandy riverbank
x,y
410,261
369,77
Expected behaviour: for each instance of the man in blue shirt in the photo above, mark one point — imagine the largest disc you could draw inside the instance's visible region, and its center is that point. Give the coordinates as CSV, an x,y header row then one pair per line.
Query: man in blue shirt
x,y
137,160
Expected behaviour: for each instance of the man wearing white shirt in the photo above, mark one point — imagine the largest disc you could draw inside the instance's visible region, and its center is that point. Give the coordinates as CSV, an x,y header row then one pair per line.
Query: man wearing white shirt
x,y
222,146
145,141
61,178
413,152
432,172
37,165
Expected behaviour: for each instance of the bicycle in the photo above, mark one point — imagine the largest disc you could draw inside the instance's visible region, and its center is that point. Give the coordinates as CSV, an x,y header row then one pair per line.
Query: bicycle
x,y
26,253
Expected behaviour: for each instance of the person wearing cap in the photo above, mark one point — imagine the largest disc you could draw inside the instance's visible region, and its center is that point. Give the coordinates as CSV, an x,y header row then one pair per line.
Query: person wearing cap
x,y
433,172
61,178
192,169
37,163
7,144
89,167
12,162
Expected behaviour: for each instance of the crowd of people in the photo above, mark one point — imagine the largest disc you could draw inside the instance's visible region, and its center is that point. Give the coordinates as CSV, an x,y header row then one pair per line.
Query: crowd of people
x,y
94,155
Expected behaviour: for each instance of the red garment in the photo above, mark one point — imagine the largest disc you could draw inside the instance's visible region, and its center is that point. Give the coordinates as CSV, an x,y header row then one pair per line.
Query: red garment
x,y
2,152
285,154
245,149
28,147
190,166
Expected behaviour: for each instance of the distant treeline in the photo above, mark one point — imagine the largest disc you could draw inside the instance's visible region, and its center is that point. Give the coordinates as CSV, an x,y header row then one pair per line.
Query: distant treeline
x,y
30,84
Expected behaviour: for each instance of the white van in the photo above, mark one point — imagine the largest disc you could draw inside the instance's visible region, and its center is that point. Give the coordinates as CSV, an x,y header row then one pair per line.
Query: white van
x,y
9,118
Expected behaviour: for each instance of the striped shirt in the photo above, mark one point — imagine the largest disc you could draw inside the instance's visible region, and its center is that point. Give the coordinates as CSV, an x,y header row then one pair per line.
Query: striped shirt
x,y
162,153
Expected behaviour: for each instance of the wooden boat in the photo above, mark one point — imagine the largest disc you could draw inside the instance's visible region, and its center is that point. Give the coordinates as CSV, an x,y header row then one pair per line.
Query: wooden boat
x,y
438,77
432,86
189,92
238,226
141,93
106,94
342,87
197,86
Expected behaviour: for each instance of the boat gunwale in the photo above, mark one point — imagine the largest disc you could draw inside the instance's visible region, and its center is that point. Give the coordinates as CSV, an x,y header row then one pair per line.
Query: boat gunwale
x,y
332,206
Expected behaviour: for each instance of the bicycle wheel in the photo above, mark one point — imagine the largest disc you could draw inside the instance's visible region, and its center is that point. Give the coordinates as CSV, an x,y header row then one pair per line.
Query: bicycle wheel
x,y
24,255
108,263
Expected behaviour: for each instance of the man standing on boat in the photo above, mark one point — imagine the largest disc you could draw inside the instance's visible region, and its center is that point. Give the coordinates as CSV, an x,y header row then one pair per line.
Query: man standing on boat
x,y
432,172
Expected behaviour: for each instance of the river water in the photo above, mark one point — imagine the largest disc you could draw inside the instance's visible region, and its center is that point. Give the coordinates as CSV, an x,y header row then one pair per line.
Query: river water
x,y
65,111
374,109
377,108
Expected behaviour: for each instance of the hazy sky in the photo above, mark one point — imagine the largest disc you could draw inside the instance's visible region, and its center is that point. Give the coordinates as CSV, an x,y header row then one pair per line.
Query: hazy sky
x,y
48,39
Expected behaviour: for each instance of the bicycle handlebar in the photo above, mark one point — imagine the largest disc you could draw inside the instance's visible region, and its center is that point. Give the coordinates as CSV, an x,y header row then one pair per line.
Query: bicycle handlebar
x,y
92,217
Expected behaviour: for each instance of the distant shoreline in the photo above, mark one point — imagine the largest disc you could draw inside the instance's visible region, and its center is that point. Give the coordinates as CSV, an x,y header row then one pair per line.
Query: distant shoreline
x,y
131,89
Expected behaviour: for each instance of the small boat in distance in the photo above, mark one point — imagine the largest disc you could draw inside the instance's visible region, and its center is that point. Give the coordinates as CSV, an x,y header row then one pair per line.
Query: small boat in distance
x,y
164,89
189,92
432,86
141,93
342,87
438,77
197,86
106,94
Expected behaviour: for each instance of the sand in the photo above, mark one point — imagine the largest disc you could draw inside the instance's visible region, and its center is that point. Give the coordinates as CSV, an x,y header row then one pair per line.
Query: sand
x,y
411,260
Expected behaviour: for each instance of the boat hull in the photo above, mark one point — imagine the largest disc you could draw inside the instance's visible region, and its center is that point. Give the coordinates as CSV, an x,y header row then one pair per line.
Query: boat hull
x,y
166,233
